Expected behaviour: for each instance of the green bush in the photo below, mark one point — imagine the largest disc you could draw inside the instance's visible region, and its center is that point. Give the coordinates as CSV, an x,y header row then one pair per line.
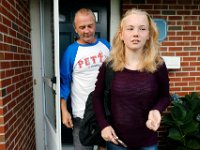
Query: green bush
x,y
183,122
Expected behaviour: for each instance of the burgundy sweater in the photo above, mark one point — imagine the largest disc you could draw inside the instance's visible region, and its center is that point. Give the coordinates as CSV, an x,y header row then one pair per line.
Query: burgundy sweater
x,y
133,95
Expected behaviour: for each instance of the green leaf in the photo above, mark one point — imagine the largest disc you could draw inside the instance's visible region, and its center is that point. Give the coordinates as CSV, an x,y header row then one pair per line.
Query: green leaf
x,y
168,120
193,100
190,127
178,113
181,148
175,134
193,144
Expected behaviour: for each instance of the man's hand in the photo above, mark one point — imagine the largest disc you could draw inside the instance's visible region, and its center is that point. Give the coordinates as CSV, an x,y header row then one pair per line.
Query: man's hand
x,y
66,116
67,119
154,119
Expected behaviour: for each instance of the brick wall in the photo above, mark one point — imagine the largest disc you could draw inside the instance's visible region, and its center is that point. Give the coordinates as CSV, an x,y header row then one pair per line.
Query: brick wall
x,y
183,40
17,128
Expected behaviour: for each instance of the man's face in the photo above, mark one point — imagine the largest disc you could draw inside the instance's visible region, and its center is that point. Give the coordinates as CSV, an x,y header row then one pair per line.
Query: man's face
x,y
85,27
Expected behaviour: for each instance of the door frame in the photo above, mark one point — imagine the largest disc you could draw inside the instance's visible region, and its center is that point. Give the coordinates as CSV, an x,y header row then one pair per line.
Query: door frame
x,y
37,72
42,123
37,63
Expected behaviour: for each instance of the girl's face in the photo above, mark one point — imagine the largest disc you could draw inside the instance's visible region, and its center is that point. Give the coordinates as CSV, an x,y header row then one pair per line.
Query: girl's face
x,y
135,31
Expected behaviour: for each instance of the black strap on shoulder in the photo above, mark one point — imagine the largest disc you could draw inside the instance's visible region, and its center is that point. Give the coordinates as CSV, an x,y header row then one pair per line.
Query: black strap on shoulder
x,y
109,75
108,82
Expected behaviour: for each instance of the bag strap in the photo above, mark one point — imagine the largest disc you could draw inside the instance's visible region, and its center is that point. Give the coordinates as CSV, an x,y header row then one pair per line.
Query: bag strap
x,y
109,75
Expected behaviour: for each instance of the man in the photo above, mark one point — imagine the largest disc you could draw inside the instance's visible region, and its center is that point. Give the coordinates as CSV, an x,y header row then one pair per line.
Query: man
x,y
79,69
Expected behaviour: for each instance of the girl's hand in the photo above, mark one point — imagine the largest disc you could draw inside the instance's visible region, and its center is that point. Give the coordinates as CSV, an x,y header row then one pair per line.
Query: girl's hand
x,y
108,134
154,119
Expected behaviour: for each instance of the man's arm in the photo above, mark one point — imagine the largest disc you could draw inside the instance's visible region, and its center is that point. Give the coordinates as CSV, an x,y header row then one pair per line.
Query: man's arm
x,y
66,70
66,116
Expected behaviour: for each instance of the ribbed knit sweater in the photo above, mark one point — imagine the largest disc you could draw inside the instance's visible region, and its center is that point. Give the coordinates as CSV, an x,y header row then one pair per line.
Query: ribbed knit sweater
x,y
133,95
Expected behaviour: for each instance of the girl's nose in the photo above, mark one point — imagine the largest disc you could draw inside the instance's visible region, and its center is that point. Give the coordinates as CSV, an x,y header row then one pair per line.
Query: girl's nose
x,y
135,32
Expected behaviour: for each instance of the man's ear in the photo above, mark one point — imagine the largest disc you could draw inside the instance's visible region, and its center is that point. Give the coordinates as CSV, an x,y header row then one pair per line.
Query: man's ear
x,y
75,29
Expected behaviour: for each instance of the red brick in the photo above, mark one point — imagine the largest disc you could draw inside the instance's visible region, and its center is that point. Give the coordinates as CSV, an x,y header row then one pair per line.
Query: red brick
x,y
171,33
188,79
8,56
190,17
197,33
189,59
187,89
194,84
189,27
6,4
2,129
195,74
6,82
183,33
182,54
176,38
2,146
2,138
6,22
175,79
197,23
175,48
182,74
185,43
168,44
175,88
1,120
181,84
176,7
195,63
3,29
196,43
188,68
191,38
184,22
175,17
197,53
183,12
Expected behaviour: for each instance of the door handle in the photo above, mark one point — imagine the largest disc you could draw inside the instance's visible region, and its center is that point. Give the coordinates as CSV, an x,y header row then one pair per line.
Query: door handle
x,y
53,80
50,81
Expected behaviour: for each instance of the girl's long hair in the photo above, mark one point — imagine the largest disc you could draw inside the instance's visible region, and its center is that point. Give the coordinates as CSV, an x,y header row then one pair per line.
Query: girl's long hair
x,y
151,58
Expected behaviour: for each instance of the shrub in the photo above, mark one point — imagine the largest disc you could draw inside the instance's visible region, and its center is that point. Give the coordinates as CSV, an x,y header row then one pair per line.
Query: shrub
x,y
183,122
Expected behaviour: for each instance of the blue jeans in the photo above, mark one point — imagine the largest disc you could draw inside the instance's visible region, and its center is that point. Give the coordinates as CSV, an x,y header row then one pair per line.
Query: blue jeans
x,y
111,146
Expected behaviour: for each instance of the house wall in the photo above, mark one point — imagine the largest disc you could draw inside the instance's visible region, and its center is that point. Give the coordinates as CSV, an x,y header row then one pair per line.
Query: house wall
x,y
183,40
17,127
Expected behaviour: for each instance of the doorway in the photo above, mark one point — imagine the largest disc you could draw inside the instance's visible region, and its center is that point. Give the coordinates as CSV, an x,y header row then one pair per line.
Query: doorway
x,y
67,35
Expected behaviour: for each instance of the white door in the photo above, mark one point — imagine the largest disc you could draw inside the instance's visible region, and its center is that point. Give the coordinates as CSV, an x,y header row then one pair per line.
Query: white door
x,y
50,73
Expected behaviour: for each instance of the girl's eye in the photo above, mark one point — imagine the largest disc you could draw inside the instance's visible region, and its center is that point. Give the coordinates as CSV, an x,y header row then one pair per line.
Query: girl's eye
x,y
142,28
130,29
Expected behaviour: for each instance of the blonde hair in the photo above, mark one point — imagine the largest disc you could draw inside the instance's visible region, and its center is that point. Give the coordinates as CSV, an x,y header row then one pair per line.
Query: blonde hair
x,y
151,58
84,11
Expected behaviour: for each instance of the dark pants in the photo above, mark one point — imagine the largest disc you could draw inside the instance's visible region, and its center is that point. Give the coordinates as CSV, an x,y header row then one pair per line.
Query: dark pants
x,y
77,143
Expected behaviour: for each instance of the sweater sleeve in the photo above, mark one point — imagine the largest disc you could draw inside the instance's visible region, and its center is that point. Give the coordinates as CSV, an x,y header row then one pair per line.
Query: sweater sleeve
x,y
66,70
98,98
163,86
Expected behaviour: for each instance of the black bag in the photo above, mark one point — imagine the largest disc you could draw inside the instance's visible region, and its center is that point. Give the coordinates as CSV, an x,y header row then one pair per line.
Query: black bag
x,y
90,132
